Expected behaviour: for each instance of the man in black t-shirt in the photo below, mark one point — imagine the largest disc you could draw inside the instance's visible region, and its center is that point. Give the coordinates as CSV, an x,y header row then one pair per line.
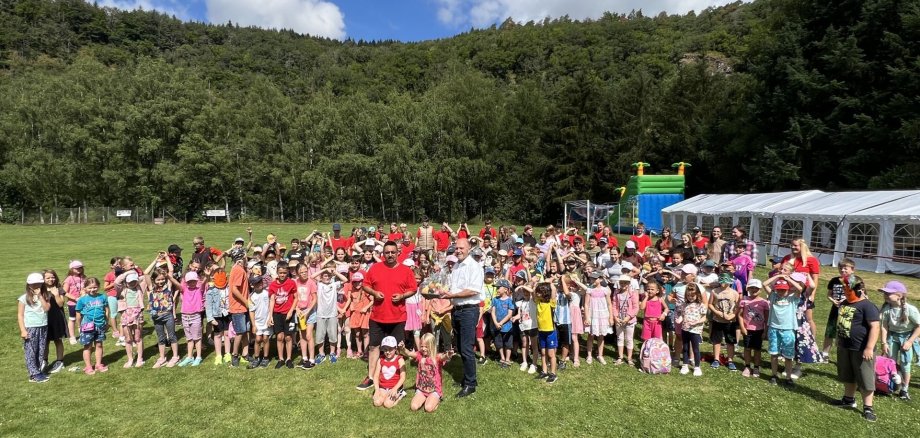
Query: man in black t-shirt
x,y
857,332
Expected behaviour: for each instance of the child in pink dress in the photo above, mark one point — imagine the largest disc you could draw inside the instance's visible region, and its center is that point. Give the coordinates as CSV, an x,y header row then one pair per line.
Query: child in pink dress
x,y
428,391
655,311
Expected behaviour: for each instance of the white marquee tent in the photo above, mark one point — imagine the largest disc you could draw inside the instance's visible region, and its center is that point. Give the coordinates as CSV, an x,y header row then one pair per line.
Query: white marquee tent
x,y
880,230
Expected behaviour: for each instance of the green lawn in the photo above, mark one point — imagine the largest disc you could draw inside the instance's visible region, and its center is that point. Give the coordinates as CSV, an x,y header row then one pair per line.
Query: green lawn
x,y
205,401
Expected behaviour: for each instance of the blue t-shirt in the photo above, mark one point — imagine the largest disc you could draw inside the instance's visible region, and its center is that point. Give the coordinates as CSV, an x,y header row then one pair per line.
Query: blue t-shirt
x,y
93,308
782,311
503,306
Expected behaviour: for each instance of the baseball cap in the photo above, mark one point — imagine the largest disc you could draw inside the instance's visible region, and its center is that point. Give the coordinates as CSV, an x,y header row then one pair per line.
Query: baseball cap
x,y
388,342
627,265
371,229
595,274
755,283
781,284
630,244
173,248
709,264
357,276
489,270
409,262
476,252
699,251
602,241
521,274
726,278
518,252
624,278
798,277
776,259
503,253
424,218
239,239
519,240
689,269
35,278
503,283
336,227
452,259
132,276
252,263
191,276
695,229
378,248
76,264
894,287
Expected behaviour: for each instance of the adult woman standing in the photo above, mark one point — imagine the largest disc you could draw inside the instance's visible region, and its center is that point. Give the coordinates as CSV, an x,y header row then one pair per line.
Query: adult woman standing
x,y
664,244
805,263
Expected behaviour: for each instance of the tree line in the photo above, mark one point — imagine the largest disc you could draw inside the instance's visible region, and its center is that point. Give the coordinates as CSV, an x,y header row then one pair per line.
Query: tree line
x,y
108,107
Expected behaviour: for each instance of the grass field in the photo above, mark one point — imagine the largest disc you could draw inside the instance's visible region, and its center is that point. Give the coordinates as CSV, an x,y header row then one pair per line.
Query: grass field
x,y
593,400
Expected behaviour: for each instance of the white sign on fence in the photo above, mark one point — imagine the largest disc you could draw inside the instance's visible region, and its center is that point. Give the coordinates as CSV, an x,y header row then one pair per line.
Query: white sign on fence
x,y
215,213
122,213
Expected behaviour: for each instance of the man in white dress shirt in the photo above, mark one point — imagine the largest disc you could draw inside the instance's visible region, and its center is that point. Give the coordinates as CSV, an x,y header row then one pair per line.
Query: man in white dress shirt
x,y
466,287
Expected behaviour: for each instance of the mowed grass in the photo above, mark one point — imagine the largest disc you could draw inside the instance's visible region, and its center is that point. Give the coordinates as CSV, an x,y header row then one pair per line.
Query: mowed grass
x,y
593,400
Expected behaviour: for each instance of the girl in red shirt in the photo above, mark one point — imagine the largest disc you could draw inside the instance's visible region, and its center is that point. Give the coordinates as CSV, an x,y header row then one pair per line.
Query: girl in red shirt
x,y
391,374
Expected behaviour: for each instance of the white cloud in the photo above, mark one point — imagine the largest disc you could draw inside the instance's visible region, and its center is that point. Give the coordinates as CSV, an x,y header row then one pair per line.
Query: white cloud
x,y
483,13
313,17
177,8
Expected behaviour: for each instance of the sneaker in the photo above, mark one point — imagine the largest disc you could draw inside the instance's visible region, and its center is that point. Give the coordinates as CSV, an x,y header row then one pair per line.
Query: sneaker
x,y
101,368
263,363
310,364
56,367
773,381
540,376
172,362
562,365
756,372
365,384
89,371
869,415
618,362
532,369
228,357
218,360
523,366
129,364
697,371
904,395
252,365
196,362
73,341
139,364
319,359
482,360
551,379
302,365
38,378
247,359
685,370
796,372
732,367
289,364
589,360
503,365
790,383
279,364
844,403
185,362
235,362
746,372
601,360
333,358
715,364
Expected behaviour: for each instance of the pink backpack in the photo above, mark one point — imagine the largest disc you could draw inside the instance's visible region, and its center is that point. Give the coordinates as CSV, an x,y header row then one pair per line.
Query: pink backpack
x,y
886,375
655,357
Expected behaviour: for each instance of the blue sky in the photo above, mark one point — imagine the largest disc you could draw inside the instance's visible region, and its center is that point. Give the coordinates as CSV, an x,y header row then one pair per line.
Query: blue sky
x,y
404,20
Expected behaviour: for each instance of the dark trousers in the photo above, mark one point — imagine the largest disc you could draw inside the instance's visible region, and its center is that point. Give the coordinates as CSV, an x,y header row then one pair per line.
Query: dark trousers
x,y
465,320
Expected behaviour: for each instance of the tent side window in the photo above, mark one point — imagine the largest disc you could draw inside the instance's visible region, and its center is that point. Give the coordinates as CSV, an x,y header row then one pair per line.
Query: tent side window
x,y
823,237
725,222
862,240
766,230
907,243
791,230
744,221
708,222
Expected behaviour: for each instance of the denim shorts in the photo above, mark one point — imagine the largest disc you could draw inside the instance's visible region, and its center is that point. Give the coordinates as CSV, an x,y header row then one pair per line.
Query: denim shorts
x,y
240,322
97,335
782,342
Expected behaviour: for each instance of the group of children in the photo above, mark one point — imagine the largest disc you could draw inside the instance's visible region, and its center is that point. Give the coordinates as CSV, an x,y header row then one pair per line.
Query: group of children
x,y
540,303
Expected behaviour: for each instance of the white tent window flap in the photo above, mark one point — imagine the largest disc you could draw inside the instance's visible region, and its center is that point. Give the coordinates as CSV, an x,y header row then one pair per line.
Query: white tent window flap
x,y
862,241
743,221
725,222
708,222
766,230
906,243
791,230
823,236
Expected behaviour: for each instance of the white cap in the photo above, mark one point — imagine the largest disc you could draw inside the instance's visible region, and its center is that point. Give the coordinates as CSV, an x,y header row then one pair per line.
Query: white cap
x,y
35,278
626,265
388,341
755,283
191,276
252,263
630,244
689,268
409,262
132,276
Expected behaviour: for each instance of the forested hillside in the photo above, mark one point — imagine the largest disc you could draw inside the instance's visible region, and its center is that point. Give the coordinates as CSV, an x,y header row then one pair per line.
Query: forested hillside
x,y
106,107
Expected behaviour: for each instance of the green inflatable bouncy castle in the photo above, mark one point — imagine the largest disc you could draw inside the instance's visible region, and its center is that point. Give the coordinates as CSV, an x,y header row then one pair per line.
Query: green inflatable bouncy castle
x,y
643,197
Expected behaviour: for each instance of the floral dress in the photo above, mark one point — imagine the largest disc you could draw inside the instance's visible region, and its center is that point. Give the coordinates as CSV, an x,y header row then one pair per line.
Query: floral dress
x,y
806,347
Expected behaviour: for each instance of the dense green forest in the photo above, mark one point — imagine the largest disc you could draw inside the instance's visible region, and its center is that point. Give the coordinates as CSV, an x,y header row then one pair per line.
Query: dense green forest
x,y
106,107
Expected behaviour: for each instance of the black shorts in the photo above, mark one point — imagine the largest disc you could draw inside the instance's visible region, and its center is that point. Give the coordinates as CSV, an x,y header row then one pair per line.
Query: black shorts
x,y
380,330
668,324
281,324
754,339
532,333
503,340
223,324
565,335
724,330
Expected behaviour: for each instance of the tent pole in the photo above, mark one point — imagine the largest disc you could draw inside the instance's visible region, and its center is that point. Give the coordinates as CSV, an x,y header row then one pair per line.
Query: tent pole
x,y
588,230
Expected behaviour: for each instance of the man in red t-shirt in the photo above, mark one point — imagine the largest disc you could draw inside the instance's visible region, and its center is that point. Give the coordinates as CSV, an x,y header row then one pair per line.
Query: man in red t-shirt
x,y
388,284
641,239
699,240
239,310
282,293
337,241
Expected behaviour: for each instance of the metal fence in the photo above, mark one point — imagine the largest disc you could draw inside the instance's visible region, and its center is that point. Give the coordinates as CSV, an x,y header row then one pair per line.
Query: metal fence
x,y
81,215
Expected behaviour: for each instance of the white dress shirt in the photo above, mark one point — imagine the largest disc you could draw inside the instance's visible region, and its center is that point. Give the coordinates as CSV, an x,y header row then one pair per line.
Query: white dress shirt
x,y
467,275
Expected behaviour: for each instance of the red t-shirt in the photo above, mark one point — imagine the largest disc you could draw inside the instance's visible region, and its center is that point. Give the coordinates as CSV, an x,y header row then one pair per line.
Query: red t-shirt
x,y
110,278
701,244
463,234
240,280
395,237
642,242
482,232
514,269
282,295
342,242
441,239
811,266
389,371
405,252
611,241
389,281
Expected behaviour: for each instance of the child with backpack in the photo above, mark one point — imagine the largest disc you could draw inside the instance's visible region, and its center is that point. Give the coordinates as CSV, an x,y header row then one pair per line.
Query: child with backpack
x,y
785,294
656,311
753,312
857,332
900,327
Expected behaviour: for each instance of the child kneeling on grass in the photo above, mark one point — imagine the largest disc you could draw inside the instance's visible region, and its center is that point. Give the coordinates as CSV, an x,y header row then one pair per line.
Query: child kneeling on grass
x,y
391,374
857,332
428,378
